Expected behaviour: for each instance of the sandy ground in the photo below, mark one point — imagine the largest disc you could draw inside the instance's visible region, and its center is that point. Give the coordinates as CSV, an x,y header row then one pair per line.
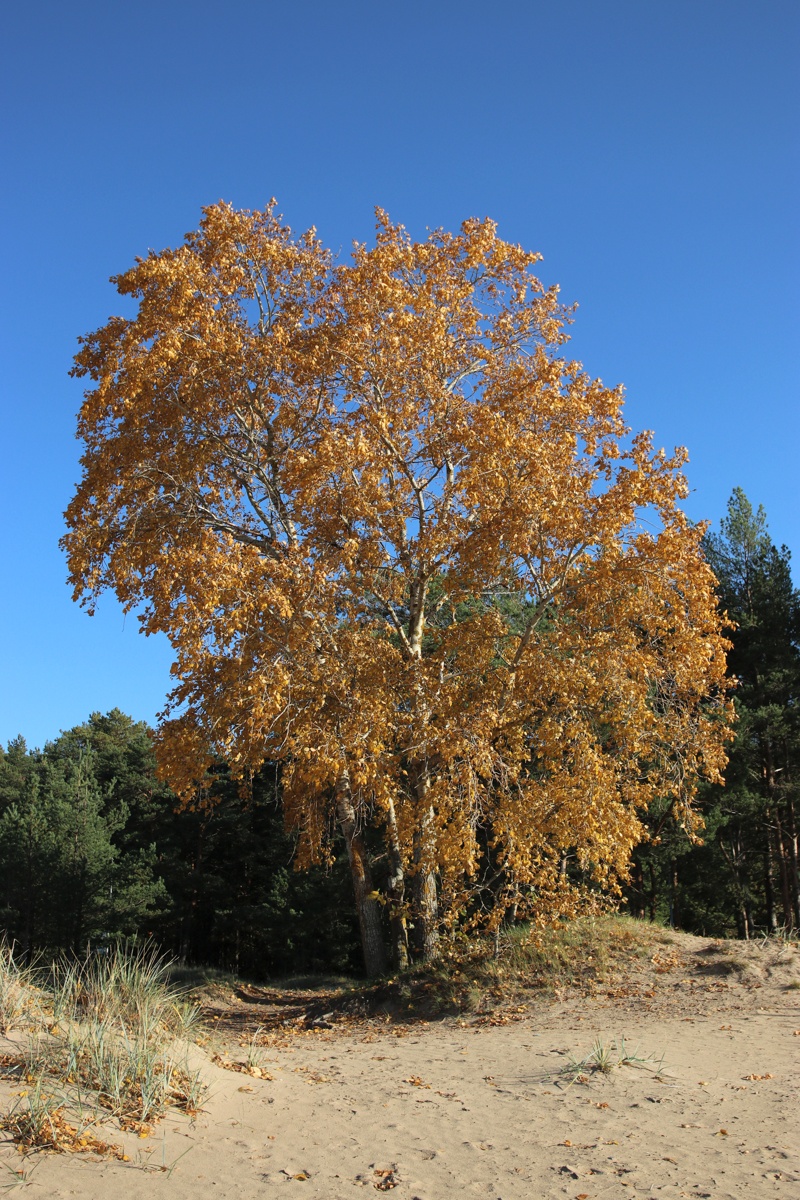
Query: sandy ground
x,y
489,1106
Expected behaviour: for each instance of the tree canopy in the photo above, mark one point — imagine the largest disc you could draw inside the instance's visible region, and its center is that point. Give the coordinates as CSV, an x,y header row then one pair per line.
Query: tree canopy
x,y
403,546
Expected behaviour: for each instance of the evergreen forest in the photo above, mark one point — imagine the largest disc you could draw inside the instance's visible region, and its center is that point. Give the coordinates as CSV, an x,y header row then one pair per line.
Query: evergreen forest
x,y
93,847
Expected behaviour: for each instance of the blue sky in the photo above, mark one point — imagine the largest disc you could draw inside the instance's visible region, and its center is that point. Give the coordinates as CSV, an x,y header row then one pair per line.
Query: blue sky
x,y
648,149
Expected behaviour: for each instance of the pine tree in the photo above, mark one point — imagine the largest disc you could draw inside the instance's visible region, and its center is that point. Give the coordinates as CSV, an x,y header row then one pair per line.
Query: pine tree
x,y
759,835
55,848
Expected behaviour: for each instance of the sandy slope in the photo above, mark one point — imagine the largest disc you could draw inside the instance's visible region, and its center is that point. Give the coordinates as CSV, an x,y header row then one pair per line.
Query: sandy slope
x,y
483,1106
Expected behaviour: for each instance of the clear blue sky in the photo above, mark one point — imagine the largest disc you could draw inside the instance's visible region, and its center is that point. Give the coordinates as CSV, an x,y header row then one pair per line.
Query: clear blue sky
x,y
648,148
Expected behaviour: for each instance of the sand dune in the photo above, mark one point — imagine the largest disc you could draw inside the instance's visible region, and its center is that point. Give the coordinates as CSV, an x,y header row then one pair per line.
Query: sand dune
x,y
495,1106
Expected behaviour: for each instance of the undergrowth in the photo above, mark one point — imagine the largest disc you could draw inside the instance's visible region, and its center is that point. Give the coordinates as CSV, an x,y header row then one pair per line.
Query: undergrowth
x,y
582,955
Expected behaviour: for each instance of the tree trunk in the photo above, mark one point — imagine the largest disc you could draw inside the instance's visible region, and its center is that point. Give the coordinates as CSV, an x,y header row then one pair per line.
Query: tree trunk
x,y
426,910
367,907
637,888
794,870
784,871
426,904
744,922
674,899
396,891
733,858
769,886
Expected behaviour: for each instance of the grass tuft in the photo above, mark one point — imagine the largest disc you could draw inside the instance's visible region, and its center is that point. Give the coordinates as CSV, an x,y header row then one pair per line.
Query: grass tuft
x,y
606,1057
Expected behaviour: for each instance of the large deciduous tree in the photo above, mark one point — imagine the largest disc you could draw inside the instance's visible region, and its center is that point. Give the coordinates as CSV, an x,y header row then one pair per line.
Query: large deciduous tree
x,y
404,547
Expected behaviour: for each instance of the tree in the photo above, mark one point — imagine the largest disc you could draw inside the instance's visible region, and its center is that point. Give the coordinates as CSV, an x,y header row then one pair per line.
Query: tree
x,y
26,849
398,544
758,833
133,805
56,854
93,845
743,875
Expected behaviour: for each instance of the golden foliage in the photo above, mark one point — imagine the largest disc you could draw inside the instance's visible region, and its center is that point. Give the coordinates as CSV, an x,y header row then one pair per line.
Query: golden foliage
x,y
393,534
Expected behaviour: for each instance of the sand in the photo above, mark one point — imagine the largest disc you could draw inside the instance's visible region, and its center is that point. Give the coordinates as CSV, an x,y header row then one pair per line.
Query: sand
x,y
490,1106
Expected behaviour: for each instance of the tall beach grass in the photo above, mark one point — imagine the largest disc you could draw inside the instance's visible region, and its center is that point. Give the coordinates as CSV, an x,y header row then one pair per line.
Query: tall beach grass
x,y
109,1032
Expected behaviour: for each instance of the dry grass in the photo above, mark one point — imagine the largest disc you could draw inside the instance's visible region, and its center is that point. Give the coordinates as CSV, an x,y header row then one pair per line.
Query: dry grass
x,y
106,1036
476,976
18,991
